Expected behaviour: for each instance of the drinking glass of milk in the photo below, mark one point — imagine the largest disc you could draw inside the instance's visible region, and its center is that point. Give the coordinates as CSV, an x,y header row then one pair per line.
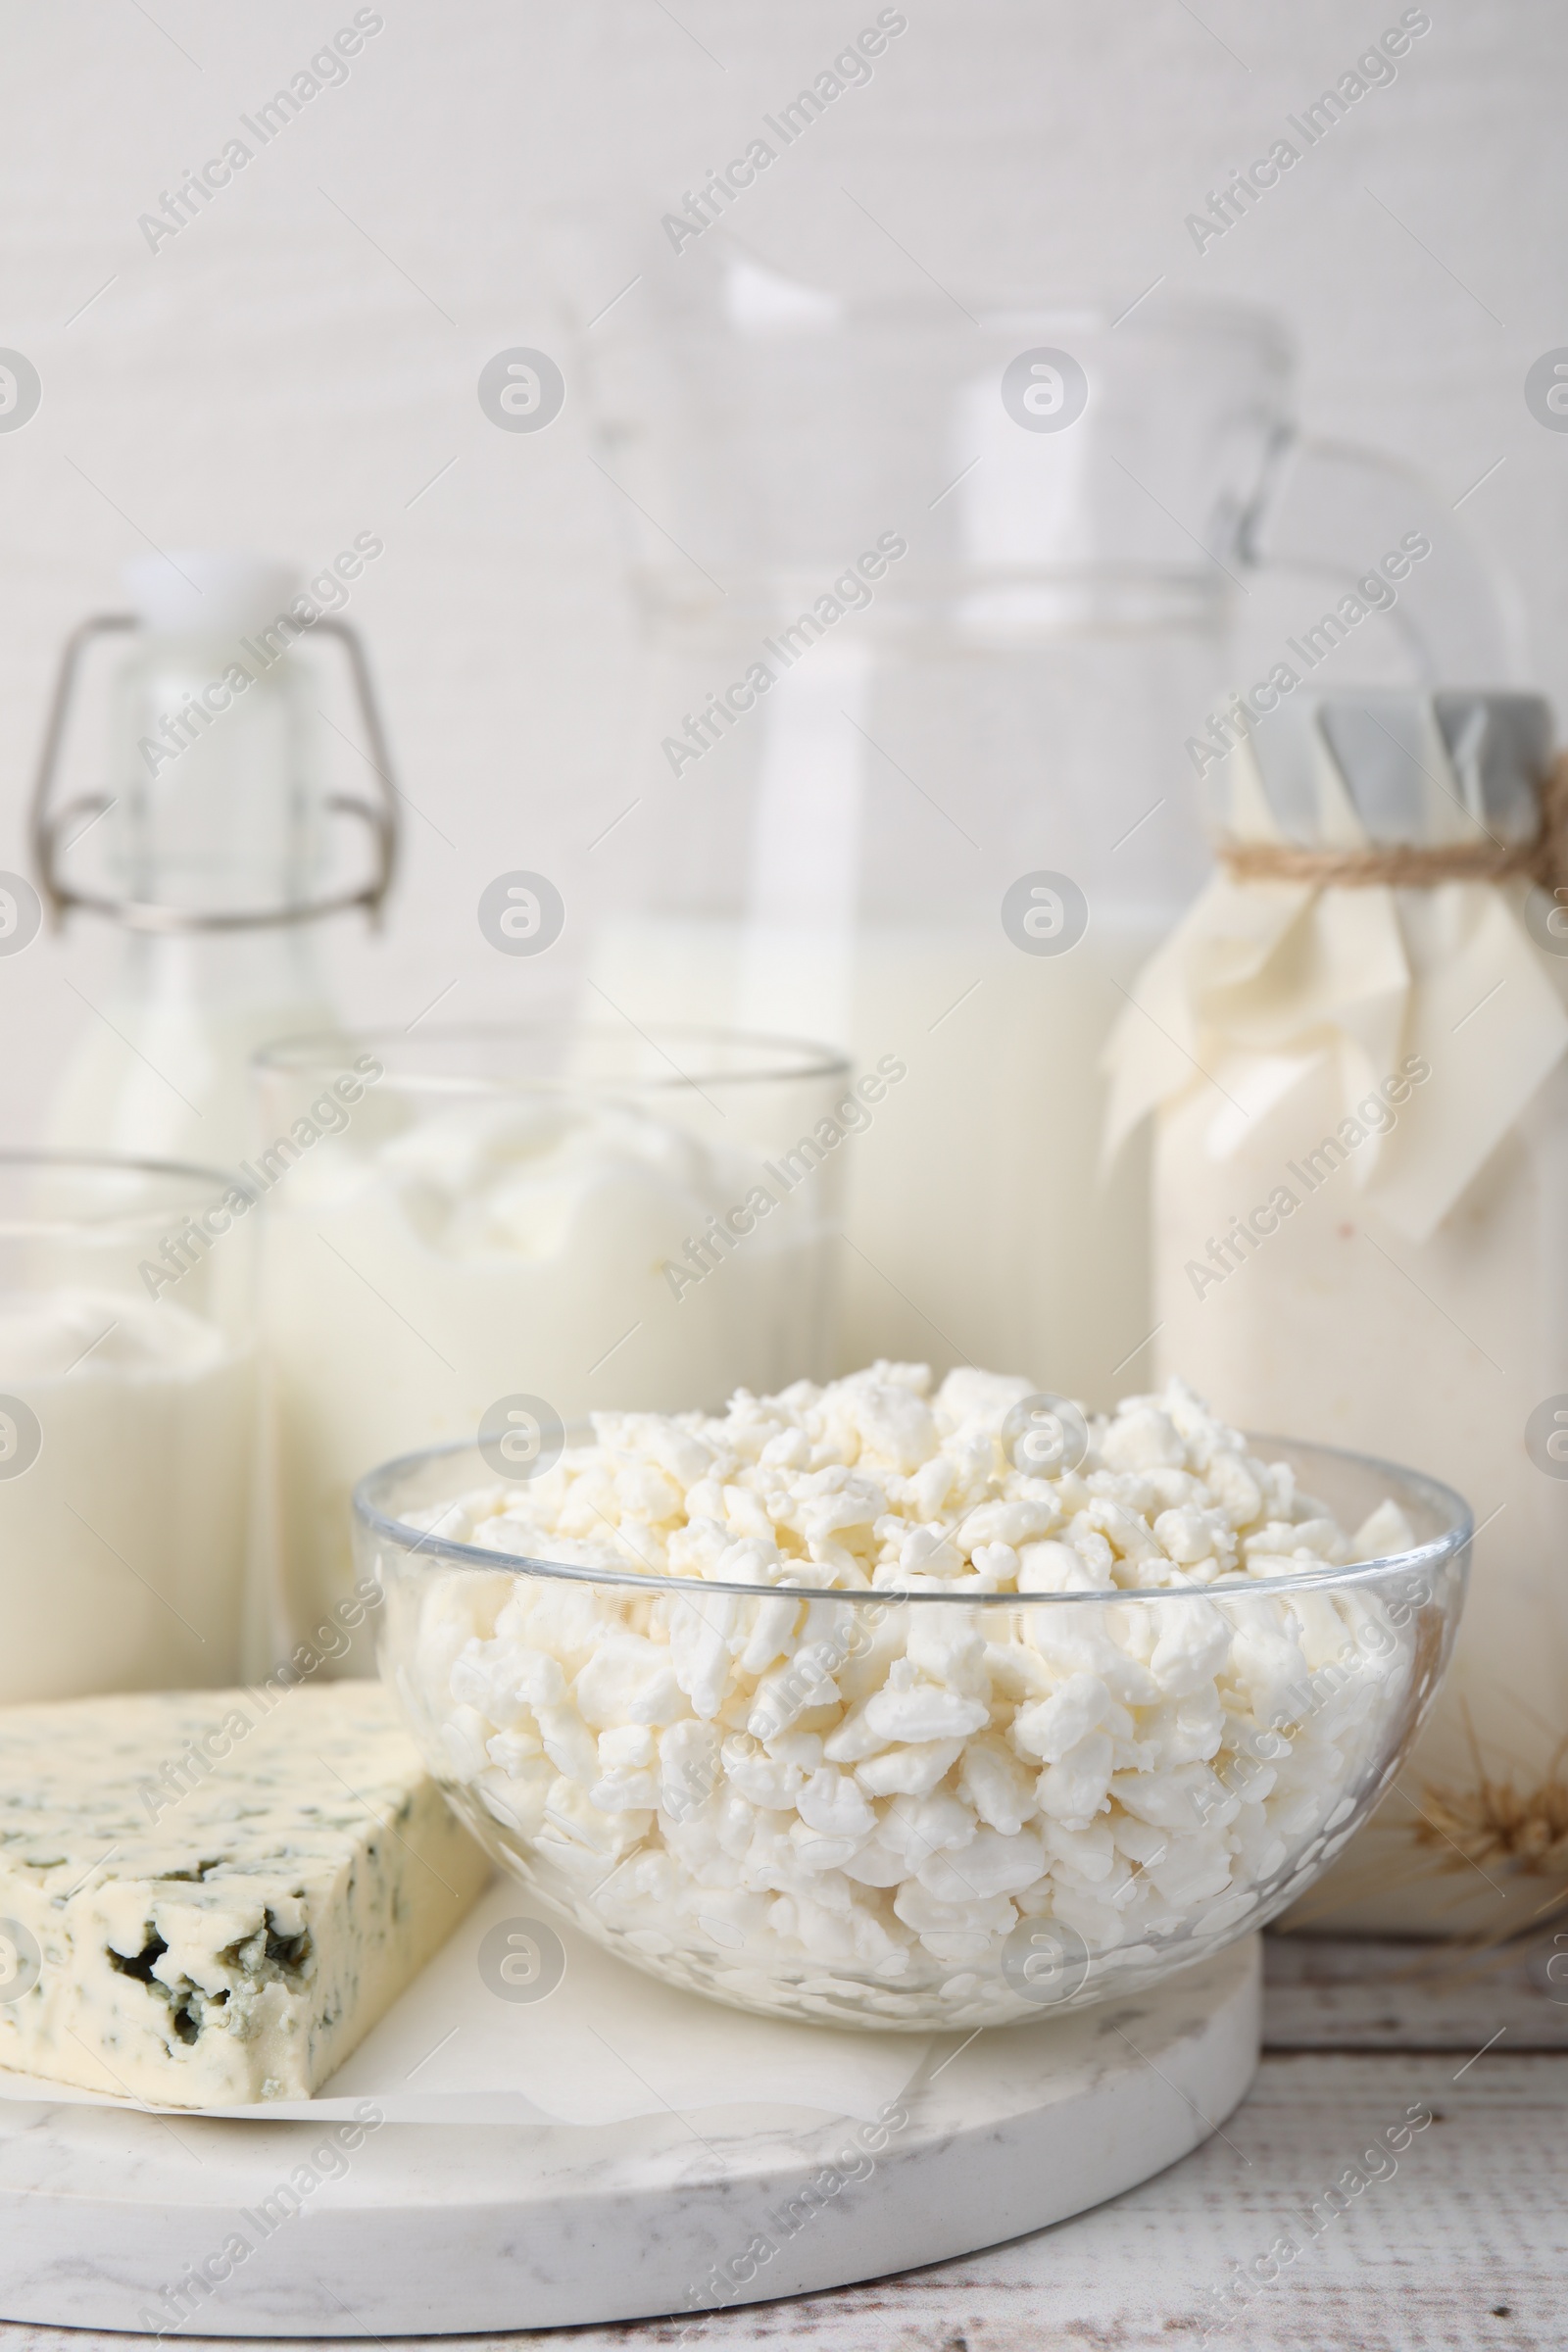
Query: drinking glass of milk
x,y
491,1231
127,1427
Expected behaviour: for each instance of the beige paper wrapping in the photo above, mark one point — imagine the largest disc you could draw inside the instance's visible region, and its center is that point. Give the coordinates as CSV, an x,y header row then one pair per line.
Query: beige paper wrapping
x,y
1262,980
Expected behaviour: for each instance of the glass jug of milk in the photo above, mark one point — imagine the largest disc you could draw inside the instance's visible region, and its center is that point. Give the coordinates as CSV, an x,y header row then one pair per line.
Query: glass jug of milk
x,y
938,598
208,843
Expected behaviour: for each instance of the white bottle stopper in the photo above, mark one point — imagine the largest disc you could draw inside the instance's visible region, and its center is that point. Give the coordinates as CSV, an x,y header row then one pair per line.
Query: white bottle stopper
x,y
197,593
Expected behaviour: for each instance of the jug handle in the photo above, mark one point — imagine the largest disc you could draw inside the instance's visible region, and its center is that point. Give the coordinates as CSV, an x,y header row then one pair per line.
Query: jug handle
x,y
1320,499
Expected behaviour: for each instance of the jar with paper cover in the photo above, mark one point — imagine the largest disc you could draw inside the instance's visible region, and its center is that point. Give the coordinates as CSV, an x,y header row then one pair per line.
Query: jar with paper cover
x,y
1353,1048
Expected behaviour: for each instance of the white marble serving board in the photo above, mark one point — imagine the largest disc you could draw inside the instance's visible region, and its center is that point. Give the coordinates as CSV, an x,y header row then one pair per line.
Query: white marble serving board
x,y
117,2220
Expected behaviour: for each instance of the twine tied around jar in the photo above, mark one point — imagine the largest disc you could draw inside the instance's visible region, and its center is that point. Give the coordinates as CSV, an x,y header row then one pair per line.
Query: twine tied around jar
x,y
1396,865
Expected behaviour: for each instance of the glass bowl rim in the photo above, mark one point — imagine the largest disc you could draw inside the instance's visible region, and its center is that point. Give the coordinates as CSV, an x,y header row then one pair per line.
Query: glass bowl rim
x,y
1452,1542
305,1055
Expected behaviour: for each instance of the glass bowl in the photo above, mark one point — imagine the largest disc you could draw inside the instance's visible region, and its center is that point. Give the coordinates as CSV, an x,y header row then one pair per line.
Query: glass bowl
x,y
1016,1849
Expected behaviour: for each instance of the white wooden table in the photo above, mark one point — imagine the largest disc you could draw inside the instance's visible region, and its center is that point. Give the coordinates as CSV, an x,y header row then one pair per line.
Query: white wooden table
x,y
1458,2239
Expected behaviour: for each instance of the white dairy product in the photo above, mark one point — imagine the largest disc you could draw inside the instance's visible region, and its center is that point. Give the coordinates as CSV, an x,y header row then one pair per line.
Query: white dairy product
x,y
983,1227
210,1899
1361,1219
499,1249
216,815
1332,1323
122,1544
163,1075
836,1808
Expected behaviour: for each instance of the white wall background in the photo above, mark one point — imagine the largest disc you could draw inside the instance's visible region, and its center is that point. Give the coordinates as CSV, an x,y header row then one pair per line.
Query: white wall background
x,y
279,376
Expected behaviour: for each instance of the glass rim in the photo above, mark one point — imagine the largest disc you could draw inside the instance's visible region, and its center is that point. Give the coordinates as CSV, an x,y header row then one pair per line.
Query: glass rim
x,y
1453,1541
194,1174
305,1056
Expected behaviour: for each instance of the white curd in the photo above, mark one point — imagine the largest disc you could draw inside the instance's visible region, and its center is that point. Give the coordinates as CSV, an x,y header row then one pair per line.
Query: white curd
x,y
833,1806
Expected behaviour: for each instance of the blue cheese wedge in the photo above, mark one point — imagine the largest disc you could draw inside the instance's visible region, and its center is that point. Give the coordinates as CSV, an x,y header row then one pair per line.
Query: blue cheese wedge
x,y
208,1898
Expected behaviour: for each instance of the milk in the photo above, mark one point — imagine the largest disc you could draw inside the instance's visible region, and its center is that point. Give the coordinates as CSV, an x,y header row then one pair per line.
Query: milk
x,y
492,1250
121,1544
162,1072
978,1223
1361,1088
1337,1329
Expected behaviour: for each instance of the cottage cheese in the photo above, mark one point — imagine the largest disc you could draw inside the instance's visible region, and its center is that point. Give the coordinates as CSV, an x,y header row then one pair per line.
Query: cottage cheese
x,y
818,1802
